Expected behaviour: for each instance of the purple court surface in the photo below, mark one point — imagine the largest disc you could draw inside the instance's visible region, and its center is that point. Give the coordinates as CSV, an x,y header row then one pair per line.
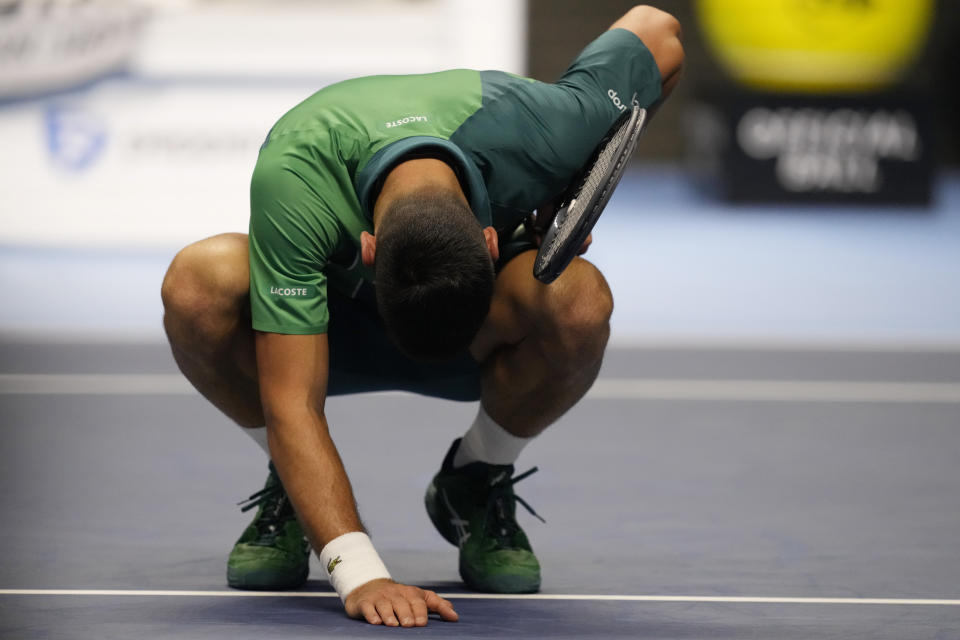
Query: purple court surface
x,y
695,493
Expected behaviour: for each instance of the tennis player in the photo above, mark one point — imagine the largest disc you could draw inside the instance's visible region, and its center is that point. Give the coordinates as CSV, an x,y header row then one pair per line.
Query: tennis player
x,y
419,184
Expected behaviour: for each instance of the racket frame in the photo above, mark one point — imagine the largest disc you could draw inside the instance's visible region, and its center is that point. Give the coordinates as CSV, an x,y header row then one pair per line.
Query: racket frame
x,y
547,269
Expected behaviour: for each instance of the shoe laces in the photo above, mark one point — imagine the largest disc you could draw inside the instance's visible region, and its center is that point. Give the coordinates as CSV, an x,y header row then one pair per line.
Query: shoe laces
x,y
274,513
501,523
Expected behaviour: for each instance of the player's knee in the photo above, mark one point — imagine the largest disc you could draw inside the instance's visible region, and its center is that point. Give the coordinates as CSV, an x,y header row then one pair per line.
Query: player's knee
x,y
580,311
206,283
183,300
587,315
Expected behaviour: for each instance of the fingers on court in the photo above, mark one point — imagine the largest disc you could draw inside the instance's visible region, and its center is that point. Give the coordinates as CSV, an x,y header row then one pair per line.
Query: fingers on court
x,y
403,611
438,605
385,609
369,612
419,607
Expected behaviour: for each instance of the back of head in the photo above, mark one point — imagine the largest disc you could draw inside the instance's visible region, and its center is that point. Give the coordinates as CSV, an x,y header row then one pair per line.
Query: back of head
x,y
434,275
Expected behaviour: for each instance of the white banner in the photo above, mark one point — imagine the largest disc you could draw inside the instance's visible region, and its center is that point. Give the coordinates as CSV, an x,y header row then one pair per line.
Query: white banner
x,y
133,164
52,45
163,155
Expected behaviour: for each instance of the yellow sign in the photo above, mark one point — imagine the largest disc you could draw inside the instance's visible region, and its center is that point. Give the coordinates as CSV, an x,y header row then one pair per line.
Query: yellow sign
x,y
816,45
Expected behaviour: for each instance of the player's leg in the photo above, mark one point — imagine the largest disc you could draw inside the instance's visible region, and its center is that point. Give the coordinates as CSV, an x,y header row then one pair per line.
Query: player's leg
x,y
542,345
206,317
541,348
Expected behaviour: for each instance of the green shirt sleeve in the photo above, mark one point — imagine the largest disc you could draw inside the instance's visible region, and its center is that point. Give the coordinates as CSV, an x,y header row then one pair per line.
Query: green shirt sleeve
x,y
293,234
610,73
531,138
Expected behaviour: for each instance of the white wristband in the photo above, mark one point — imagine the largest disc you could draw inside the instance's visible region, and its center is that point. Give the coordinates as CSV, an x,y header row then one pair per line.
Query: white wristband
x,y
350,561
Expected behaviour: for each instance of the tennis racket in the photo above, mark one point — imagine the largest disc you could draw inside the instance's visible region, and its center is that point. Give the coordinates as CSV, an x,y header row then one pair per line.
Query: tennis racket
x,y
582,203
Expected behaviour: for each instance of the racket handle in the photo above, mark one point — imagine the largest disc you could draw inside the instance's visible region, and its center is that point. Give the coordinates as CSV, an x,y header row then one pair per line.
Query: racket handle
x,y
539,221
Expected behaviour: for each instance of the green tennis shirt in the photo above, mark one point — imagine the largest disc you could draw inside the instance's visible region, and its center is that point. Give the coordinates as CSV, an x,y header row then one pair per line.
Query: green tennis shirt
x,y
514,143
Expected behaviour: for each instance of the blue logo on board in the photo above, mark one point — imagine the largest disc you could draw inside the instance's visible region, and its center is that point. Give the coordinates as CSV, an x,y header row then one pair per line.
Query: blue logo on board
x,y
75,136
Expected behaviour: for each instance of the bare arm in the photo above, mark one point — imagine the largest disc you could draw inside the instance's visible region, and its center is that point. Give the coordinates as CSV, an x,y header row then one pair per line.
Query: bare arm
x,y
662,35
293,386
293,372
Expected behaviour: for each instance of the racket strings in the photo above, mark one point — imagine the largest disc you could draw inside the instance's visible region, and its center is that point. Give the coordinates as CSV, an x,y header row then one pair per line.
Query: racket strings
x,y
596,180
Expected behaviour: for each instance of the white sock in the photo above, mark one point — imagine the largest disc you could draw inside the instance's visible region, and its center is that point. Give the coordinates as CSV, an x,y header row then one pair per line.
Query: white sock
x,y
486,441
259,435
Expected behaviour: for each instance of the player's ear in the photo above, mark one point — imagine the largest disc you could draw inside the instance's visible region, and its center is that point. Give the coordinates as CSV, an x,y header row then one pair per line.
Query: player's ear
x,y
493,246
368,248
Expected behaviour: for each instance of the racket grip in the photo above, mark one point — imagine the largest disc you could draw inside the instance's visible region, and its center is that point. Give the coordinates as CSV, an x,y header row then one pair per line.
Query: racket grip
x,y
539,221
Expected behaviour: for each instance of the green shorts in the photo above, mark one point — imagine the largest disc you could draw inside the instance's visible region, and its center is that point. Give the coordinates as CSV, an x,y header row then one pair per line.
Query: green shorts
x,y
363,359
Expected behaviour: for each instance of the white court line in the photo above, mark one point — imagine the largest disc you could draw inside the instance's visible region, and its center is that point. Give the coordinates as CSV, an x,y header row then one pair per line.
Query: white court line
x,y
947,342
485,596
154,384
604,389
836,343
775,390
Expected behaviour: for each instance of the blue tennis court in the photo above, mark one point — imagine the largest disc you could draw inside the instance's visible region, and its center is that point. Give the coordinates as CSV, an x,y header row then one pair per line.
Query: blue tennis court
x,y
772,449
694,493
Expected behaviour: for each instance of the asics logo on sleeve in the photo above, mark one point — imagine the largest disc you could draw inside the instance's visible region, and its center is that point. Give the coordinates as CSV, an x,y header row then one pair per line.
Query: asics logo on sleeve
x,y
402,121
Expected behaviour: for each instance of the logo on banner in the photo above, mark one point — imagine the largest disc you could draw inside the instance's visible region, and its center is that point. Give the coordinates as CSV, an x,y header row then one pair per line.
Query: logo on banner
x,y
76,137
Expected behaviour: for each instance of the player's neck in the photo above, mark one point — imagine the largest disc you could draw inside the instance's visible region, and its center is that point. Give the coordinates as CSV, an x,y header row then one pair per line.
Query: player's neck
x,y
414,175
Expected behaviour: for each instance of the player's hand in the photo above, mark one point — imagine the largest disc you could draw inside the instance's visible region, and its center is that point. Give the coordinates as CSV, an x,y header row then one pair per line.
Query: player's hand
x,y
536,231
586,245
537,239
387,602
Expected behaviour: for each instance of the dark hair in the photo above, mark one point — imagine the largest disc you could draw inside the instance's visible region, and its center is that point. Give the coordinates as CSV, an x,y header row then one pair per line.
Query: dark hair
x,y
434,275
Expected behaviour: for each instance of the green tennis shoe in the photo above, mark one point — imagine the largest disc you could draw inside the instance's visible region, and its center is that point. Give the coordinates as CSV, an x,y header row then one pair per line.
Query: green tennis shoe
x,y
272,554
474,507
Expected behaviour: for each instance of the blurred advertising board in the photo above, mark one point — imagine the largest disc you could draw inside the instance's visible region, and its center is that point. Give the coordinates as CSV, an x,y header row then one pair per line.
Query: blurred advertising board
x,y
768,147
138,123
814,107
142,163
46,46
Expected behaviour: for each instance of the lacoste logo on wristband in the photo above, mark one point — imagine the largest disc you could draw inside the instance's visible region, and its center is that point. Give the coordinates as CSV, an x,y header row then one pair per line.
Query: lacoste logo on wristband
x,y
360,561
333,564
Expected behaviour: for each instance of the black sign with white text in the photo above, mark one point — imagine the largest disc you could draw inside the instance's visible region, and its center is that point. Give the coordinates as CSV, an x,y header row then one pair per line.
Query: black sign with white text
x,y
865,149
